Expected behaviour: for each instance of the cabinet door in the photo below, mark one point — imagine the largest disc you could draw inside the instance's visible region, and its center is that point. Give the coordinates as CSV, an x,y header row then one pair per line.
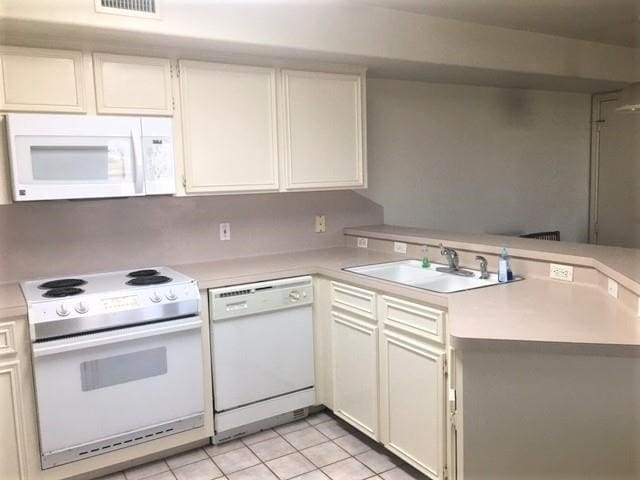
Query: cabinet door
x,y
228,127
413,402
11,431
37,80
355,372
322,130
132,85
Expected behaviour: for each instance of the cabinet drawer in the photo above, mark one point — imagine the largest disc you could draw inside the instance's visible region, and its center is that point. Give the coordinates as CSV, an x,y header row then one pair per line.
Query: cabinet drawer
x,y
413,318
352,299
7,339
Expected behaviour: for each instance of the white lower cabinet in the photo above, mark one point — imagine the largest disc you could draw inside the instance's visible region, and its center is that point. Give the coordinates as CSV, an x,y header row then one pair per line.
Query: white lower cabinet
x,y
389,374
413,402
12,454
355,372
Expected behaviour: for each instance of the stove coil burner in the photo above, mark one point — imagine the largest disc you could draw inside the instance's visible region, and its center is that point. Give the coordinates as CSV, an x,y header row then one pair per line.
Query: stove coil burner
x,y
150,280
62,283
63,292
143,273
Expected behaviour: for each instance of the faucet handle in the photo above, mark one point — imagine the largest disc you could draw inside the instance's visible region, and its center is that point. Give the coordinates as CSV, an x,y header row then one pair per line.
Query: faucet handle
x,y
484,274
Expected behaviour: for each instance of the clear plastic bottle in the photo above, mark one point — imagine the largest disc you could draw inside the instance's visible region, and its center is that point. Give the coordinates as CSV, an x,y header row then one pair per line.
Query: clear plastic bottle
x,y
504,267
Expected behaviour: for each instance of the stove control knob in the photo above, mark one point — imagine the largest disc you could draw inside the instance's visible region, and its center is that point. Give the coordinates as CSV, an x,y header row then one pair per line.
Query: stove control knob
x,y
171,296
155,298
62,310
82,308
294,295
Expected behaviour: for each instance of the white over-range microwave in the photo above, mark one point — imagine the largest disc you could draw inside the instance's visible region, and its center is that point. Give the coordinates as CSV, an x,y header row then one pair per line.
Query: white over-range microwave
x,y
78,156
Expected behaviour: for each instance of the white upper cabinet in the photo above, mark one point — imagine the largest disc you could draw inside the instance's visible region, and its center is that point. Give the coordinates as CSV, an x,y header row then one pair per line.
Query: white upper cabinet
x,y
132,85
40,80
323,130
229,127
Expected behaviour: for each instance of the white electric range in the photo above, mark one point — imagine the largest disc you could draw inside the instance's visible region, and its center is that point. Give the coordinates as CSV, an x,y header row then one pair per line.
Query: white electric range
x,y
117,360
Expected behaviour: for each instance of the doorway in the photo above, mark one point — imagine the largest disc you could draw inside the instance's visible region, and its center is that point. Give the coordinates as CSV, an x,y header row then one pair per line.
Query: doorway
x,y
615,174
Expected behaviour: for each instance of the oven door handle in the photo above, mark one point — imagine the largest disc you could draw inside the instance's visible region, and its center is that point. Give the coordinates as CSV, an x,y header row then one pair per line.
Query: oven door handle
x,y
93,340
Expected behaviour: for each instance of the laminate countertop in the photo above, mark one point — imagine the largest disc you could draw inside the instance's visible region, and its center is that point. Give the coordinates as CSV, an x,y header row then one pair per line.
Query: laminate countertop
x,y
621,264
535,313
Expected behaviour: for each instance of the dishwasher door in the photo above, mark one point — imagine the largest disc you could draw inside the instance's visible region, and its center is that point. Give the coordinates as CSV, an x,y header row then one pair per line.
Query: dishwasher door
x,y
262,356
261,342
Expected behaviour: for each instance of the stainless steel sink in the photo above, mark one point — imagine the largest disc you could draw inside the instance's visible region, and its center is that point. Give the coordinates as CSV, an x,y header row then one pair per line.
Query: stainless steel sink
x,y
413,274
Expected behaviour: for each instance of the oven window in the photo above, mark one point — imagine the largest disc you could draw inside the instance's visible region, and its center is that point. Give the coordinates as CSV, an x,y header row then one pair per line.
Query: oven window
x,y
118,369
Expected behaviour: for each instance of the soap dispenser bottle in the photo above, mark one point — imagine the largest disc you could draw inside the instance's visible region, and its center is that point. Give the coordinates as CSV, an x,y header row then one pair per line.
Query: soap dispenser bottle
x,y
504,267
425,257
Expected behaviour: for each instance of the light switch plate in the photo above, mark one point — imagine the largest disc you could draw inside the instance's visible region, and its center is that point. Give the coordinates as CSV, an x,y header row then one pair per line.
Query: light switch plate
x,y
561,272
225,231
321,225
399,247
612,288
363,242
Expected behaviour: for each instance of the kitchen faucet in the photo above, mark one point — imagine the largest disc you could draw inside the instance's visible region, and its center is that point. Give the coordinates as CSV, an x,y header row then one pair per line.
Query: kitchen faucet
x,y
452,257
454,263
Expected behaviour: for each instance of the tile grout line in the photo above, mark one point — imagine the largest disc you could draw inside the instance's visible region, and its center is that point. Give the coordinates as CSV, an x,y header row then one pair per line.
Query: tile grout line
x,y
278,435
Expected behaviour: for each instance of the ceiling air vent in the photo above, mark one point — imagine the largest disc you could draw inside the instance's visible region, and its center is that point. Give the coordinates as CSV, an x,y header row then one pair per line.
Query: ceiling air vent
x,y
141,8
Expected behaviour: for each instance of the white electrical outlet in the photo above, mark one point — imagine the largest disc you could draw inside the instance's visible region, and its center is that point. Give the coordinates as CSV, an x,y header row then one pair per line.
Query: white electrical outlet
x,y
363,242
399,247
321,225
612,288
225,231
561,272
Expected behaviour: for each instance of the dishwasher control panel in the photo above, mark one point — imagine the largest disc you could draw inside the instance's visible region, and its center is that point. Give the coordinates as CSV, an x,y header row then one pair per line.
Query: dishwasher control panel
x,y
240,300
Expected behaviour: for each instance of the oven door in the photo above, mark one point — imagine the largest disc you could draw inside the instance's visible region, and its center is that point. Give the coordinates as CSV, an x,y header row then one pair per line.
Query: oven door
x,y
70,156
104,391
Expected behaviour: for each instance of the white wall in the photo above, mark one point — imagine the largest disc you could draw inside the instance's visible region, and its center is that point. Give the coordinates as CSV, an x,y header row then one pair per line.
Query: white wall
x,y
479,159
388,41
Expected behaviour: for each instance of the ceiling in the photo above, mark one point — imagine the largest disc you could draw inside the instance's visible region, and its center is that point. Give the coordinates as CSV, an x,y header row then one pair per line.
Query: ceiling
x,y
615,22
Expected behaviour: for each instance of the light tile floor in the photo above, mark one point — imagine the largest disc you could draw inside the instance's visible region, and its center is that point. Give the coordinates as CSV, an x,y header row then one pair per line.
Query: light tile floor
x,y
321,447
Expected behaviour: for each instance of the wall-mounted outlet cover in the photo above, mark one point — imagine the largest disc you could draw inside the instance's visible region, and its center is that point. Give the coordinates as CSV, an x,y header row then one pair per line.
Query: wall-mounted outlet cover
x,y
561,272
399,247
363,242
321,225
225,231
612,288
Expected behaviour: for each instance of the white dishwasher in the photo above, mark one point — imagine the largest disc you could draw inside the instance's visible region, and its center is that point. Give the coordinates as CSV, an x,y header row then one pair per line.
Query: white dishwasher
x,y
262,355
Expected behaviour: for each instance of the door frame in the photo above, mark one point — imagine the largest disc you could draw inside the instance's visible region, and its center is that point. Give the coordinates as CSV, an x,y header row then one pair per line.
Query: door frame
x,y
597,100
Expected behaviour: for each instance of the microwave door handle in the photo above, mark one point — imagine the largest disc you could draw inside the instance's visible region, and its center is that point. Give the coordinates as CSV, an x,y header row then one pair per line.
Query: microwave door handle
x,y
137,161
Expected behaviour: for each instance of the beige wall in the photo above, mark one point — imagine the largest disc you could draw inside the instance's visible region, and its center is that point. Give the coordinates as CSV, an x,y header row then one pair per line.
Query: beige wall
x,y
65,237
479,159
